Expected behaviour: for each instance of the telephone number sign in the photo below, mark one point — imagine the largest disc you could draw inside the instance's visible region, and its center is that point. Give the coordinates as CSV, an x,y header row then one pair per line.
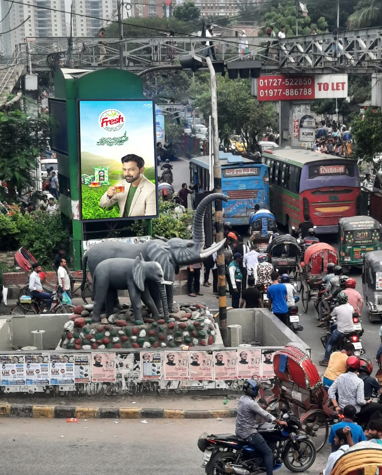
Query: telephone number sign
x,y
284,88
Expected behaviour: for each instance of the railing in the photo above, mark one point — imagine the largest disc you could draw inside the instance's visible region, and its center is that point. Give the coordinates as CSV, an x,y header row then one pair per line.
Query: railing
x,y
11,66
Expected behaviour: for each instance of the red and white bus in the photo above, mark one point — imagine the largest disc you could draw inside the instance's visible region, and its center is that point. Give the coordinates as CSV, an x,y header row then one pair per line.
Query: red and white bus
x,y
302,183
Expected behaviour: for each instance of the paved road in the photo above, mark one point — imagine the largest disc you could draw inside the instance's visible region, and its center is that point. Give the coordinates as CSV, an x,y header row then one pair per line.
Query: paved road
x,y
44,447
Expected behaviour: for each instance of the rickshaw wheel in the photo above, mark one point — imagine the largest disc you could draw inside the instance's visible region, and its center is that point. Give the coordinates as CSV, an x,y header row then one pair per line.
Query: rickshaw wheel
x,y
316,426
305,298
298,284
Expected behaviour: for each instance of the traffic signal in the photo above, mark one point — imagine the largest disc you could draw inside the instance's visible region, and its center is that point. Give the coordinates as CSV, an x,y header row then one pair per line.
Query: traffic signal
x,y
189,61
244,68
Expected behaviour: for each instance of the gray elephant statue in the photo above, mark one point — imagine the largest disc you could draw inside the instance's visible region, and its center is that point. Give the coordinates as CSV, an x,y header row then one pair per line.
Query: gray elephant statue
x,y
121,273
170,254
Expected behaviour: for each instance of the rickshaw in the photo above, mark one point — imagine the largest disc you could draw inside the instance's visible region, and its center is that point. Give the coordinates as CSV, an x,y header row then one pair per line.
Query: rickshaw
x,y
364,458
357,235
262,224
285,254
372,284
313,267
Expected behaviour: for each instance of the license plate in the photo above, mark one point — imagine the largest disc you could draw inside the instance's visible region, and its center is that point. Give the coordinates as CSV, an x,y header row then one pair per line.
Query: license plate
x,y
357,326
297,396
282,263
357,345
294,318
333,198
206,457
265,298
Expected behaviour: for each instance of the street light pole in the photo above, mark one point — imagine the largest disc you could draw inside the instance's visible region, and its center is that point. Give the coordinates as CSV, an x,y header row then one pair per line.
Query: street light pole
x,y
297,8
218,204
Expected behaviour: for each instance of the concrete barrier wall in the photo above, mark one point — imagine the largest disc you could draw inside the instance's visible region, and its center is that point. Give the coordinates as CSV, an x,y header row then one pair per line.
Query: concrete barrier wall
x,y
6,336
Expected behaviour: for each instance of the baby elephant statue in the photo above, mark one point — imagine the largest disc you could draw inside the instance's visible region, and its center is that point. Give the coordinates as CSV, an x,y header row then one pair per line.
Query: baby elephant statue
x,y
116,274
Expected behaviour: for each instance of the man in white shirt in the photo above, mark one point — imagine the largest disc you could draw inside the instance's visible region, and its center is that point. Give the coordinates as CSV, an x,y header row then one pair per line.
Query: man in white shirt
x,y
342,445
250,261
63,278
291,292
35,287
210,48
51,208
281,34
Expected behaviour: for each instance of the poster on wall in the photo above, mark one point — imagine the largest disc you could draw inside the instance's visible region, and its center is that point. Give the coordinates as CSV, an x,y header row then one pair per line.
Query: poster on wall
x,y
12,370
82,368
37,370
103,368
201,366
225,364
248,364
151,366
127,368
267,361
61,369
175,366
117,160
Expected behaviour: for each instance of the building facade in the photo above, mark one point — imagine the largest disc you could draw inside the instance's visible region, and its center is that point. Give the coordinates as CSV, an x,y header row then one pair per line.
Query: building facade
x,y
97,15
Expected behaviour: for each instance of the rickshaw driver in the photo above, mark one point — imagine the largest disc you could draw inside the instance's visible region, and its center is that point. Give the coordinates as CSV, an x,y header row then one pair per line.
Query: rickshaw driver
x,y
304,227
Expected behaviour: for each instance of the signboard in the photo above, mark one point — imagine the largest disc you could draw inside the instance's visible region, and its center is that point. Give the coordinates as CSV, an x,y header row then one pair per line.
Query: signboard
x,y
302,87
117,160
159,125
37,370
103,368
62,369
234,172
201,366
296,128
175,366
307,129
12,370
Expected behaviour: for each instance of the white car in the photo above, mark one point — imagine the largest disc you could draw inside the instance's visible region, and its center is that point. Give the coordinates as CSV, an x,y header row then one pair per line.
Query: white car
x,y
201,129
268,145
47,163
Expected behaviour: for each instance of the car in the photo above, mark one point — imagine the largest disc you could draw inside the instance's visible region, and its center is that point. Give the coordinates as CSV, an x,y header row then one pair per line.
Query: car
x,y
46,163
268,145
201,129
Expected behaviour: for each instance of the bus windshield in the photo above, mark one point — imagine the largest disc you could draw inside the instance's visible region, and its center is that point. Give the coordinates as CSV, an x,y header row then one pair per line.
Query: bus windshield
x,y
335,173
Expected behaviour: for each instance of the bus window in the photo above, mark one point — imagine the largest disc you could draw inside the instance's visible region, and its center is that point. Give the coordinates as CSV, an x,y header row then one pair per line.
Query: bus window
x,y
286,173
270,168
294,183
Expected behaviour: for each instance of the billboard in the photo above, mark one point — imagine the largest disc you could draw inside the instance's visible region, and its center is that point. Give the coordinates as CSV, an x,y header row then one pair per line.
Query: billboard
x,y
159,125
117,159
302,87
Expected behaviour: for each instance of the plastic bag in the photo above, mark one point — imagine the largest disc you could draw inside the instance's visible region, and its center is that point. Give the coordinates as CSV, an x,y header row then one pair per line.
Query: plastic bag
x,y
5,295
66,300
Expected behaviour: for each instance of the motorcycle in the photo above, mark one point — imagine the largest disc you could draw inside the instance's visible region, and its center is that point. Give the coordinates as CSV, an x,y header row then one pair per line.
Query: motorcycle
x,y
294,318
228,454
167,177
354,337
263,289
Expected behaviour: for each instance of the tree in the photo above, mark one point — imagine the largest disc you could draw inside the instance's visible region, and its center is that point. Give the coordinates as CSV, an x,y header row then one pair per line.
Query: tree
x,y
367,14
23,139
187,12
329,8
169,85
238,111
367,135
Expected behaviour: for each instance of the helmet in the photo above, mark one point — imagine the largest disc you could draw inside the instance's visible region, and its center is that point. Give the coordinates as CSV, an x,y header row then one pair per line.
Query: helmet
x,y
338,270
352,363
167,160
350,283
262,258
42,275
365,365
232,235
342,298
251,387
343,280
311,232
285,279
330,267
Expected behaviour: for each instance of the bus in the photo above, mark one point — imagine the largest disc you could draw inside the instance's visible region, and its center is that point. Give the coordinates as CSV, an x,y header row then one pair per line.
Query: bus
x,y
244,181
302,182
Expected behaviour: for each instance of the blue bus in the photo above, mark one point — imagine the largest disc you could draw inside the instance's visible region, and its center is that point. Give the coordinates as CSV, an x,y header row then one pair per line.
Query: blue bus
x,y
244,181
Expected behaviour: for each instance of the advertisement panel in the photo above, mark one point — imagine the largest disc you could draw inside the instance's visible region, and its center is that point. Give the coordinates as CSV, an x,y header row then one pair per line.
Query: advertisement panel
x,y
117,160
12,370
37,370
103,369
302,87
62,369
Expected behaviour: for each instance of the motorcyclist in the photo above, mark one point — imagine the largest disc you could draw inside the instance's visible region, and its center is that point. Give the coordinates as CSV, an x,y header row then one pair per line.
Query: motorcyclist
x,y
305,226
333,288
167,166
355,298
311,237
371,385
247,413
264,270
291,291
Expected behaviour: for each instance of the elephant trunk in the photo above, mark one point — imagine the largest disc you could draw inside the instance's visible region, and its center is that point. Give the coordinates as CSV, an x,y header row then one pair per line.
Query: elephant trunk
x,y
198,225
163,294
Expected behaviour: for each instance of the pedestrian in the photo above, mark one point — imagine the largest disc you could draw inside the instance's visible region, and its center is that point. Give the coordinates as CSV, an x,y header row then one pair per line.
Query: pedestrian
x,y
243,45
44,203
101,46
193,279
30,208
63,278
277,295
282,33
54,185
342,445
349,412
35,287
251,297
210,48
251,261
170,45
228,257
269,53
242,249
183,195
52,207
236,278
264,271
337,364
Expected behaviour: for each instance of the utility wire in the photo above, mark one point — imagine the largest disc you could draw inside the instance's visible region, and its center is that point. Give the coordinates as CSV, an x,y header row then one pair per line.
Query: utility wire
x,y
8,12
16,27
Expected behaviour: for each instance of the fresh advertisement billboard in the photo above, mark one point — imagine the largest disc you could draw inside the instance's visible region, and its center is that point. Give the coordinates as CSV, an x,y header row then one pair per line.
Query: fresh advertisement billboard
x,y
117,159
302,87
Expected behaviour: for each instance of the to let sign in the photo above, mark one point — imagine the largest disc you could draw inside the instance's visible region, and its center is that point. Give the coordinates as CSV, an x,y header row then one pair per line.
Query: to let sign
x,y
302,87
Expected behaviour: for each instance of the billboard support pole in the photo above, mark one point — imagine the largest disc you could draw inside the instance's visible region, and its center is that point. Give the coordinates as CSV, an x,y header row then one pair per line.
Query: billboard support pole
x,y
150,227
218,204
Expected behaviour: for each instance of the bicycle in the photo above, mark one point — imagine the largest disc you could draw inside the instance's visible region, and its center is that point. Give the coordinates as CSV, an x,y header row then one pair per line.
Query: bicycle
x,y
30,305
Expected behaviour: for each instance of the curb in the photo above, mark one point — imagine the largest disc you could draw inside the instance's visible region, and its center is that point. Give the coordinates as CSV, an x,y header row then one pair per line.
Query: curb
x,y
68,412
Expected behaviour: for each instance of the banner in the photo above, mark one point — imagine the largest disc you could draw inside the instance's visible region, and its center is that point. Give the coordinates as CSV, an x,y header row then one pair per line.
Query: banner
x,y
175,366
37,370
267,359
82,368
225,364
248,364
201,366
12,370
117,159
61,369
103,368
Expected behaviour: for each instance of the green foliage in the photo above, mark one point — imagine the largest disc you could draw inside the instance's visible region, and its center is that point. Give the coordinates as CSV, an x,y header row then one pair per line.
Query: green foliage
x,y
367,14
39,232
167,85
22,140
367,135
329,9
239,112
169,224
150,27
186,12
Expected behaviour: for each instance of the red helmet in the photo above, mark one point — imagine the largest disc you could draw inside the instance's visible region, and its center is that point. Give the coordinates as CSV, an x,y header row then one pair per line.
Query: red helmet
x,y
350,283
42,275
352,363
365,365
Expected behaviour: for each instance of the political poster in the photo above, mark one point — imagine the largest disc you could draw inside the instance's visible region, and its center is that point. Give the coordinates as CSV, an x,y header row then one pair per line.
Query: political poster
x,y
37,370
127,369
12,370
225,364
151,366
267,363
117,160
82,368
175,366
201,366
248,363
103,368
61,369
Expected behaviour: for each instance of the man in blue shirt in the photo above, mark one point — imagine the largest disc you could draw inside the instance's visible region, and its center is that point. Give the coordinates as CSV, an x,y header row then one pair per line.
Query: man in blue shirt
x,y
349,413
277,295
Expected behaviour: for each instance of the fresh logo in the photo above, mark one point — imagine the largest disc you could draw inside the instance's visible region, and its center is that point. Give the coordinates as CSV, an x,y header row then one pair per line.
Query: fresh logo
x,y
111,120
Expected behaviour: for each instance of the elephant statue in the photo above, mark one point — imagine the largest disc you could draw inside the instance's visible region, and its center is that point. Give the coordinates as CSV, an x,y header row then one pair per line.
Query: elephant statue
x,y
121,273
170,254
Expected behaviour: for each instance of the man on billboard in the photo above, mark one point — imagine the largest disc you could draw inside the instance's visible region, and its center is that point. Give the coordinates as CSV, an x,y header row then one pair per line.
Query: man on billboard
x,y
135,194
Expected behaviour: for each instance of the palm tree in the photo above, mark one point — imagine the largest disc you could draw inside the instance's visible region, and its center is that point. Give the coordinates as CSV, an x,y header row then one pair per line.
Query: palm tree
x,y
367,17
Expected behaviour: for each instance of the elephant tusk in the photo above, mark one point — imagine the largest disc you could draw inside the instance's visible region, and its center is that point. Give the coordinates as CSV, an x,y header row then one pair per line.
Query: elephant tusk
x,y
167,282
210,250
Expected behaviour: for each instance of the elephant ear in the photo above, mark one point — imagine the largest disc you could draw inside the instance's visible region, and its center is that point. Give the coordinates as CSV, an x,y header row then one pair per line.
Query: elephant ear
x,y
159,252
138,275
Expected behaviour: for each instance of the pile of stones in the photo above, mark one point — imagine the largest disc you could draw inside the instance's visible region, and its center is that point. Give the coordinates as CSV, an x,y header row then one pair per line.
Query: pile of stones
x,y
192,325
